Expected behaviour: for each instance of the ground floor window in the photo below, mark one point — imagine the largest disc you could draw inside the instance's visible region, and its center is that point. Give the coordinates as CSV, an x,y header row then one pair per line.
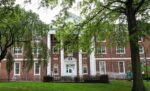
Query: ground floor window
x,y
55,69
36,68
102,67
17,68
121,67
85,69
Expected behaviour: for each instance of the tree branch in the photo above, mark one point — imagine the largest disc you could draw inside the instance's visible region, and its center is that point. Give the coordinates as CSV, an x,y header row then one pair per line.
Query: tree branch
x,y
139,6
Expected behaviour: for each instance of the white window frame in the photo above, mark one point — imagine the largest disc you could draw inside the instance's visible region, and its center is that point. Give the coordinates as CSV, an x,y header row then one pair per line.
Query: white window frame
x,y
104,67
142,48
140,39
15,68
35,68
37,50
37,39
17,52
122,52
123,67
56,66
85,66
100,48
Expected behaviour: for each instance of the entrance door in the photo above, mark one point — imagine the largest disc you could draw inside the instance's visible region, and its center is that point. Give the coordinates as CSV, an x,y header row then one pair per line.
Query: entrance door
x,y
70,69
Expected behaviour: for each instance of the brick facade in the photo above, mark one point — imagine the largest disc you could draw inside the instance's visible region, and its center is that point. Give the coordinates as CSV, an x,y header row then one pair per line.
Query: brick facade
x,y
111,60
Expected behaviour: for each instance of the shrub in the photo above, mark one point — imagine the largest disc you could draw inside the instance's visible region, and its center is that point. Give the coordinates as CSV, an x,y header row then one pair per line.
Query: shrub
x,y
146,77
77,79
66,79
104,79
91,79
47,79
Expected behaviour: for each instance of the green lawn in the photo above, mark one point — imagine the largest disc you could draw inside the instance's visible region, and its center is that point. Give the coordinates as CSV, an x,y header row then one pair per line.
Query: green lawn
x,y
40,86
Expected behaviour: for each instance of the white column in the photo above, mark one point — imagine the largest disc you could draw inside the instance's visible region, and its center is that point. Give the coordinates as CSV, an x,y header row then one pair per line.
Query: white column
x,y
49,57
92,59
62,60
80,63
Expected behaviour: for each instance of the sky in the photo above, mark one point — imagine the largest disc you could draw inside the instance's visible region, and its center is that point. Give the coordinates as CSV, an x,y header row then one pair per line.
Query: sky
x,y
45,14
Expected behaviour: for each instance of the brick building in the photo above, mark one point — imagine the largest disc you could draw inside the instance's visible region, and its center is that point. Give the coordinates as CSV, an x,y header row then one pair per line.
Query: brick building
x,y
113,61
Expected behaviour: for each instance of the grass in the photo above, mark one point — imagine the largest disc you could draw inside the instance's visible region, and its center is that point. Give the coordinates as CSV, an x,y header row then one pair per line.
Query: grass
x,y
40,86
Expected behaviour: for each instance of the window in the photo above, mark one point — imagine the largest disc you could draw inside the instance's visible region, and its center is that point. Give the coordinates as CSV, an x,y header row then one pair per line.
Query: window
x,y
85,69
101,50
55,69
36,68
36,50
55,50
120,50
140,39
17,50
17,68
69,68
37,39
141,49
102,67
121,67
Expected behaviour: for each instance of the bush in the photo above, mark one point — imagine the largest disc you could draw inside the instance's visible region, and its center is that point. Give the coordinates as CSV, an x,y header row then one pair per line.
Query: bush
x,y
47,79
91,79
77,79
104,79
146,77
96,79
67,79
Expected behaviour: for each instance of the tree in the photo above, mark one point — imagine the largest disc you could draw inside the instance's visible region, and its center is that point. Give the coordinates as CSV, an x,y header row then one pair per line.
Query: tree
x,y
9,64
108,15
16,25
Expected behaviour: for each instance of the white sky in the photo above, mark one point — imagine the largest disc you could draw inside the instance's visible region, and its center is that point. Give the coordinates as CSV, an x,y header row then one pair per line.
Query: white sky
x,y
45,14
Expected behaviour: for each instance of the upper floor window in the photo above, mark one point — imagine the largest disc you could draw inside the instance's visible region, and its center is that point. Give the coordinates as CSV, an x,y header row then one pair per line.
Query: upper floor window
x,y
101,50
17,50
55,50
140,39
141,49
36,50
120,50
37,39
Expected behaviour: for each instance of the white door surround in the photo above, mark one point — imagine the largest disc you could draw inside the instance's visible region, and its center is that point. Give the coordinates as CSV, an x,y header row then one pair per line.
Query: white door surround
x,y
70,65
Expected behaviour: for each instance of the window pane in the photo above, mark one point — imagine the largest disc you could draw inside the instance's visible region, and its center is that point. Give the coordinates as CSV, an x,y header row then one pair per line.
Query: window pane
x,y
55,49
141,49
121,67
17,66
101,50
120,50
102,67
55,68
37,68
17,50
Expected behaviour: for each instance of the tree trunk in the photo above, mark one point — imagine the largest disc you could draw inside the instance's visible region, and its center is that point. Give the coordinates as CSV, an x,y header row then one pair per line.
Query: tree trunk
x,y
138,84
8,77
